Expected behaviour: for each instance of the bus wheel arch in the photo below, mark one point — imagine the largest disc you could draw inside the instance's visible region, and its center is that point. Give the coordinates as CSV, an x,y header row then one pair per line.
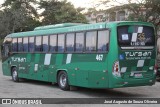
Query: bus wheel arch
x,y
12,69
62,80
14,74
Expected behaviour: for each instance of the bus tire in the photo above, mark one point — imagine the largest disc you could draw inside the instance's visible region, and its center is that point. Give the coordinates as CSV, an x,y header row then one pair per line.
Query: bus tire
x,y
15,77
63,80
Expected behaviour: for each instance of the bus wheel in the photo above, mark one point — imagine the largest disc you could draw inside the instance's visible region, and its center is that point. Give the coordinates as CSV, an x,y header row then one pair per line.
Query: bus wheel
x,y
15,77
63,80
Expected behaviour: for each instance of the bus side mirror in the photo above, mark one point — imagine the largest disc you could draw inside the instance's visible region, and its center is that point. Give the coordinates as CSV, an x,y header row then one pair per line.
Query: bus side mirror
x,y
1,49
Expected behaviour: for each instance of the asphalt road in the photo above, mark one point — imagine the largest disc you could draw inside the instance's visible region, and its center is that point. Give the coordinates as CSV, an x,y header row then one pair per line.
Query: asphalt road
x,y
37,89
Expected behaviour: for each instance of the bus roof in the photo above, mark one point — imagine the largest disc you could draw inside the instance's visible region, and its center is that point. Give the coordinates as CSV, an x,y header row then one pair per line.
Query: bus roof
x,y
57,26
72,27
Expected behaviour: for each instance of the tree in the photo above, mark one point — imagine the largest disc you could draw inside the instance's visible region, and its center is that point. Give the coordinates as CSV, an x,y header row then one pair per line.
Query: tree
x,y
56,11
92,11
143,10
18,15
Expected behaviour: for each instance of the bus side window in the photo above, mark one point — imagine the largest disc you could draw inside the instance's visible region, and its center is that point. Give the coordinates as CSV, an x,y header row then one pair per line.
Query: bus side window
x,y
45,45
103,40
31,44
14,45
25,44
61,39
79,42
20,45
91,38
70,42
38,44
53,43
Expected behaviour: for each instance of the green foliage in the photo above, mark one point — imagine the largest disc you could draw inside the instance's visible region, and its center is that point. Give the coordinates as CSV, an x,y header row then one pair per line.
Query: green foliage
x,y
60,12
22,15
17,15
92,11
145,10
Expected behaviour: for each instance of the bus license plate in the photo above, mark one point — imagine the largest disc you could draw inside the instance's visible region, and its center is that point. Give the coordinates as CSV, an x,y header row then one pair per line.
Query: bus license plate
x,y
137,75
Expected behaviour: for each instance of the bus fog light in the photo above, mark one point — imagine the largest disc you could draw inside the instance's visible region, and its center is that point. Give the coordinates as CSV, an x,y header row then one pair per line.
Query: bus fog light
x,y
155,68
155,71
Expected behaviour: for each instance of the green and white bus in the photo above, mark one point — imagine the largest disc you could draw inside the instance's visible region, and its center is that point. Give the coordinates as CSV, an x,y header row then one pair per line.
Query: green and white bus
x,y
101,55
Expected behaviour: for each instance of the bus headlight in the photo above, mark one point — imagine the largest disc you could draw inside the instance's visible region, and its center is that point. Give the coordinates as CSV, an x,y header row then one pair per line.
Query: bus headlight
x,y
155,69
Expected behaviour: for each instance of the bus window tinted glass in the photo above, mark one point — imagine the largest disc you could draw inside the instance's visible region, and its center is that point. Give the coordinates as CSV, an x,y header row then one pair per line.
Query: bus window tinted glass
x,y
70,42
31,44
103,40
20,45
132,36
45,44
53,43
25,44
14,45
38,44
91,41
79,42
61,42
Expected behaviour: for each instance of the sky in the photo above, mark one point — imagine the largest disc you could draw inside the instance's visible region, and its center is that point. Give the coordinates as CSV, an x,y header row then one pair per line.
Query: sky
x,y
87,3
76,3
1,1
82,3
90,3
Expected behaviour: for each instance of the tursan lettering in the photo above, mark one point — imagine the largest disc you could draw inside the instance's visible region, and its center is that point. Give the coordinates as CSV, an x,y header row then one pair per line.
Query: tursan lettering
x,y
140,54
18,59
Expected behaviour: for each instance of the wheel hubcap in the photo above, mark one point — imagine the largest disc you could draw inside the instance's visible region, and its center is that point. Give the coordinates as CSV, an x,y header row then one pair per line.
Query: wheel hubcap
x,y
63,80
14,75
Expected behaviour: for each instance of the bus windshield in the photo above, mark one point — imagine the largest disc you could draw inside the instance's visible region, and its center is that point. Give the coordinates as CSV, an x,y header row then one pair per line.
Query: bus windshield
x,y
135,36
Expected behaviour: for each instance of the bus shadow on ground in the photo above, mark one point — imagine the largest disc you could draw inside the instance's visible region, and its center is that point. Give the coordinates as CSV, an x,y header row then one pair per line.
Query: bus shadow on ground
x,y
34,82
94,93
109,93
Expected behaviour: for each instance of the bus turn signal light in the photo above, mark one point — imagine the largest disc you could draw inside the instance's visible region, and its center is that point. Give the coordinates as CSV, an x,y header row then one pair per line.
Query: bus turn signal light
x,y
116,69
